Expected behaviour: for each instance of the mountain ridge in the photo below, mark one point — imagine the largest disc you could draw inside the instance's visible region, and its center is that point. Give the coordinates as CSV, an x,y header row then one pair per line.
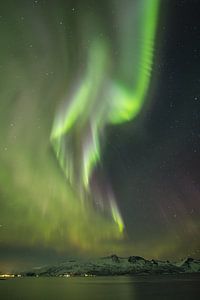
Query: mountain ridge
x,y
115,265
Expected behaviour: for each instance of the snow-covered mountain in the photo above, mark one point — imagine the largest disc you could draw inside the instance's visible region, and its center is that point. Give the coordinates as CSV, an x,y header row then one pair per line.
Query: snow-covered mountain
x,y
114,265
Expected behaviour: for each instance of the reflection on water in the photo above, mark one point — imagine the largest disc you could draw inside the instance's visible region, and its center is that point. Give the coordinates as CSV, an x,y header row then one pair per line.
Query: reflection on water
x,y
112,288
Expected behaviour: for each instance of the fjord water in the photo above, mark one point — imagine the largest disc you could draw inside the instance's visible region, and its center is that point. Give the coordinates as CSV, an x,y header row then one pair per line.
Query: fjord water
x,y
105,288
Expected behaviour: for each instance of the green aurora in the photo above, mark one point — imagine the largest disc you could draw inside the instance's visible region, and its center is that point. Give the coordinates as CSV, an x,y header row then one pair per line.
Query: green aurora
x,y
66,77
101,99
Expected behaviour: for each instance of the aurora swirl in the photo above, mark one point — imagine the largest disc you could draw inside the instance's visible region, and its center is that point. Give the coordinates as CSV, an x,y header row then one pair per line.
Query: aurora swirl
x,y
101,98
99,130
67,76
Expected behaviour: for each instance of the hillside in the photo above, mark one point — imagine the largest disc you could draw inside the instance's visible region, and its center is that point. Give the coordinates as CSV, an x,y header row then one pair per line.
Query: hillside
x,y
114,265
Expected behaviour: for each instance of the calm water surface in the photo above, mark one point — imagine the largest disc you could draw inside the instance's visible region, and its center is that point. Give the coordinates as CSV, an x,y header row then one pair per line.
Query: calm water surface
x,y
106,288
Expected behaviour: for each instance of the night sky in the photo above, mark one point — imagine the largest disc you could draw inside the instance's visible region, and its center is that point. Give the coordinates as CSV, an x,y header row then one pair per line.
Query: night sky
x,y
99,130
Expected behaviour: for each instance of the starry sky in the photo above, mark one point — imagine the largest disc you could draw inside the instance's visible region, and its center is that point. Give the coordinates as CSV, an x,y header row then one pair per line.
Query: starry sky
x,y
99,130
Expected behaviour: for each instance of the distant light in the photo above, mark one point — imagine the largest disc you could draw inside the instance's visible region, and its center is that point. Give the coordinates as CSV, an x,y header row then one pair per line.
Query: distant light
x,y
7,275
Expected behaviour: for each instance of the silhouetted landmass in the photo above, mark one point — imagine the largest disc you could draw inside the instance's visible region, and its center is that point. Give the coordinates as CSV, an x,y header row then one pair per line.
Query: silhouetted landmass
x,y
114,265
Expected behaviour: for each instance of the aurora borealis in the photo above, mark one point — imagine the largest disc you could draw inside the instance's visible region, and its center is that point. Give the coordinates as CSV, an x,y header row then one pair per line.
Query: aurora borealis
x,y
98,101
99,134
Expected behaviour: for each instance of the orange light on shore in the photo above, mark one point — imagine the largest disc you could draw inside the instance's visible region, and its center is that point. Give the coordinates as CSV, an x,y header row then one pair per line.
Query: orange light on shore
x,y
7,275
